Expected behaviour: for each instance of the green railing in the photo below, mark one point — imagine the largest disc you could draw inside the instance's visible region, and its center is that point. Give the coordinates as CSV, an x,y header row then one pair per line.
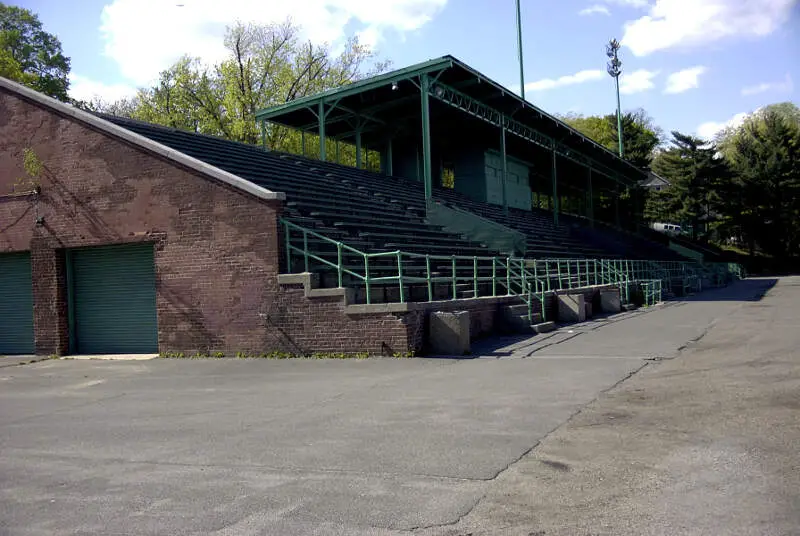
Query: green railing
x,y
439,277
651,291
442,276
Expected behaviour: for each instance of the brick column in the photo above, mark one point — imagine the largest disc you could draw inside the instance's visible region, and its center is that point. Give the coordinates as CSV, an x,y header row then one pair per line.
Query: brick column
x,y
50,317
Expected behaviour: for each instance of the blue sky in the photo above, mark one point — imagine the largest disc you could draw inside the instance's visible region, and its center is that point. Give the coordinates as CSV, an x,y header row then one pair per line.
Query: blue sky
x,y
694,65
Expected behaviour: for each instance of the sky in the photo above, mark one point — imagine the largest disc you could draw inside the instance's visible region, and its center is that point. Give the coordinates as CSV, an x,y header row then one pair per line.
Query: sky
x,y
693,65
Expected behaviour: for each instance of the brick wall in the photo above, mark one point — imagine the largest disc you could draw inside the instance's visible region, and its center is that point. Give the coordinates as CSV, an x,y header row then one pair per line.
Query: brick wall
x,y
301,325
216,248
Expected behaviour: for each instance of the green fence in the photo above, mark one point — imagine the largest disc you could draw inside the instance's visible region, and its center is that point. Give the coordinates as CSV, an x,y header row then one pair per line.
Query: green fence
x,y
451,277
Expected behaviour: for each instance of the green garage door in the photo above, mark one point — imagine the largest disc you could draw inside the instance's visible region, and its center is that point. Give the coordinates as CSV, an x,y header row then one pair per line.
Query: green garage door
x,y
16,304
113,294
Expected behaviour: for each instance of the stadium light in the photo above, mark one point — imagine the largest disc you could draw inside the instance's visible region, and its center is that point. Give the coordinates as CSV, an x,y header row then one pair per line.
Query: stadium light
x,y
614,68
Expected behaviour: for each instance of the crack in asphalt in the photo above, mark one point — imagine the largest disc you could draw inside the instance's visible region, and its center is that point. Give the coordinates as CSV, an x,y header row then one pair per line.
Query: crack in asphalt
x,y
513,462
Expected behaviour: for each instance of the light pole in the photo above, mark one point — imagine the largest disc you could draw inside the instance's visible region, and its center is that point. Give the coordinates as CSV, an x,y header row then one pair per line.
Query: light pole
x,y
519,49
614,69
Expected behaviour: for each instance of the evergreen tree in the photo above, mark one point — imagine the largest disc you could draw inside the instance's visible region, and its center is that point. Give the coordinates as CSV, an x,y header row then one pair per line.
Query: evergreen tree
x,y
765,155
696,174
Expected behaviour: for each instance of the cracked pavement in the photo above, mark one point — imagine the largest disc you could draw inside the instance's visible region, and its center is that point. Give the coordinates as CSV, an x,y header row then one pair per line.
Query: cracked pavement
x,y
376,446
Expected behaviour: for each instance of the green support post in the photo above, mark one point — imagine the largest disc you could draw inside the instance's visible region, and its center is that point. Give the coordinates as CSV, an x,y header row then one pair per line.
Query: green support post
x,y
428,276
591,201
321,119
555,190
619,120
389,168
454,278
475,277
505,169
508,275
400,275
264,135
426,136
288,249
339,262
366,279
305,250
358,147
494,276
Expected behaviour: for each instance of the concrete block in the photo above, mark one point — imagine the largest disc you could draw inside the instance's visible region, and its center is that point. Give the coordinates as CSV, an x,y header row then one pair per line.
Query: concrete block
x,y
449,333
571,307
544,327
609,301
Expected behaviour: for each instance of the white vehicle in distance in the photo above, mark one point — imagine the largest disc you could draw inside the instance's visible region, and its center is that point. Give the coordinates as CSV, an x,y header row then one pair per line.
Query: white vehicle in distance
x,y
666,228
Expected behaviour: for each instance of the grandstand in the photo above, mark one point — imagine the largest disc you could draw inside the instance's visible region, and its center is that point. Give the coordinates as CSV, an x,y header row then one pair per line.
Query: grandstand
x,y
384,234
278,251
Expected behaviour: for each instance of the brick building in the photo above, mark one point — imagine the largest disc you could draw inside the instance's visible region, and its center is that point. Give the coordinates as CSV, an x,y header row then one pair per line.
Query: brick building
x,y
113,243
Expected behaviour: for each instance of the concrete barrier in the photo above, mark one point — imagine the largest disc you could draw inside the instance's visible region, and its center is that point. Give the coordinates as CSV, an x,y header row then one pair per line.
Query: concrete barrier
x,y
609,301
571,307
449,333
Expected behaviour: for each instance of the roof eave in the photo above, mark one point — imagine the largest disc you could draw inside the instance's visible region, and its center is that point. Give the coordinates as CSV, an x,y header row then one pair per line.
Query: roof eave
x,y
356,87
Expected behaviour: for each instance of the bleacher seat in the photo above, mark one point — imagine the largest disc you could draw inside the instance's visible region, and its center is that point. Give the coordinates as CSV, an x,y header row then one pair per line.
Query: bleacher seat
x,y
375,213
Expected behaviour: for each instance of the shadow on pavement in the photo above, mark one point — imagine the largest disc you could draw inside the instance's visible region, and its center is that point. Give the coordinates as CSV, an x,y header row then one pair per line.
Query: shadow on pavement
x,y
746,290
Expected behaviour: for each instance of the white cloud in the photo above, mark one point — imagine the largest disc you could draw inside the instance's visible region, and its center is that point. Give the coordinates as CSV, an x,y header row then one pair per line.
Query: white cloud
x,y
597,8
580,77
684,80
709,129
781,87
637,81
83,88
694,23
629,3
145,36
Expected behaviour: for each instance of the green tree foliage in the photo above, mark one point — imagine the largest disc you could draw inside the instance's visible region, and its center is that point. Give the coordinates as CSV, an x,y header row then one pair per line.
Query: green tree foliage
x,y
698,176
727,138
640,135
765,155
265,66
30,55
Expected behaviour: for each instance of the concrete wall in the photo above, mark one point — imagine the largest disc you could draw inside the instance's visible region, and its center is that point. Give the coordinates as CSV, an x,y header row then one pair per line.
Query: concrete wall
x,y
216,248
470,178
518,191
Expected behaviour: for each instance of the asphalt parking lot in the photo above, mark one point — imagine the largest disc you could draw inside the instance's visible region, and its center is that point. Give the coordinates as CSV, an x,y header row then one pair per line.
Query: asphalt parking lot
x,y
375,446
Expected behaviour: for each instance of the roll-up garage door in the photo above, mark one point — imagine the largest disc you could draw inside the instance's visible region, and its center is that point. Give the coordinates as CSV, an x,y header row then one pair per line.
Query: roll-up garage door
x,y
16,304
113,294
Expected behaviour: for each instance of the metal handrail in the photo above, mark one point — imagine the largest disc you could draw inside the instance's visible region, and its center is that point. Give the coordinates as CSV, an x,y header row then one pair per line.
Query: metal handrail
x,y
530,279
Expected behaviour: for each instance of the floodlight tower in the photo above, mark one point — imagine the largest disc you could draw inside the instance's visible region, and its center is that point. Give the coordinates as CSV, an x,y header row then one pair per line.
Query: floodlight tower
x,y
519,51
614,68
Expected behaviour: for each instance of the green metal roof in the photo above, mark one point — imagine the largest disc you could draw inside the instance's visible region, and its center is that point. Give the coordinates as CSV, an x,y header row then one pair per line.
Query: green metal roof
x,y
383,105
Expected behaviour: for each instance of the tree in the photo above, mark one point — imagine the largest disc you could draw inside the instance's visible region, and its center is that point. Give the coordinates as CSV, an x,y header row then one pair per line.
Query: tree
x,y
265,66
697,176
726,138
640,135
765,155
30,55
